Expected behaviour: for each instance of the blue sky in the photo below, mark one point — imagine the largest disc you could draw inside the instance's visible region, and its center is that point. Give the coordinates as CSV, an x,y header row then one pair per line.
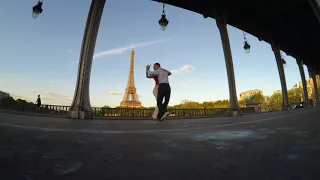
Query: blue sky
x,y
40,56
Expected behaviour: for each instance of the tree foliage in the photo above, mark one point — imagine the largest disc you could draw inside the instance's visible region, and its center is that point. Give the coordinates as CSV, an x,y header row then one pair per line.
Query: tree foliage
x,y
258,98
10,103
275,101
295,95
10,100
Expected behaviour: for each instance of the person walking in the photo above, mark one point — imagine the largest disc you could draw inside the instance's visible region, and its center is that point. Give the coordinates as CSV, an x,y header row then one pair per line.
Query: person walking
x,y
164,89
38,103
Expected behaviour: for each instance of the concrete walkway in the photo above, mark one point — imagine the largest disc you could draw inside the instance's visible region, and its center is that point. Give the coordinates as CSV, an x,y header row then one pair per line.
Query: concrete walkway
x,y
279,145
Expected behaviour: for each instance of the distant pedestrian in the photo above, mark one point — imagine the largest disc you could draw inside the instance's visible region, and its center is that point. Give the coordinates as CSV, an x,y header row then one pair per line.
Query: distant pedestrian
x,y
38,103
164,89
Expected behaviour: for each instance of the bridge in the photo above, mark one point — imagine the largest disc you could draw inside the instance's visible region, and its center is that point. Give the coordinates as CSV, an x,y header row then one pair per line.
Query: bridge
x,y
278,145
290,26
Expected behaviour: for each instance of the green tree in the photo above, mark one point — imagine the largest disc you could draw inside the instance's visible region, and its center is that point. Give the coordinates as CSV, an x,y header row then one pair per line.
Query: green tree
x,y
221,104
187,104
275,101
21,101
265,106
295,95
208,104
7,102
258,98
242,103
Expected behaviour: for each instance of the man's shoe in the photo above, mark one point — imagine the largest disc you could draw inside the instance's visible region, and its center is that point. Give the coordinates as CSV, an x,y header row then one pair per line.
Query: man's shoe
x,y
164,116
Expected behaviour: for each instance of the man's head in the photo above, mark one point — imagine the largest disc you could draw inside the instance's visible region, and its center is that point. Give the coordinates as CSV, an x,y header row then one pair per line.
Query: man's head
x,y
38,95
156,66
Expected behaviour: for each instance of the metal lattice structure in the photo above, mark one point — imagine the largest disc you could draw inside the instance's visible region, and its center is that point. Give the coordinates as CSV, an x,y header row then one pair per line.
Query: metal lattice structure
x,y
130,98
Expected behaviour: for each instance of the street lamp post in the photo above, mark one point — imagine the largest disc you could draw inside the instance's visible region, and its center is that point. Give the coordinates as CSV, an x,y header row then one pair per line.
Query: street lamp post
x,y
163,22
246,45
37,9
282,60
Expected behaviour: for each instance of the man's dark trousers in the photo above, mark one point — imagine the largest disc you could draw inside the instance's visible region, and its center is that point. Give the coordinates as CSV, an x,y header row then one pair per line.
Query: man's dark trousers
x,y
164,91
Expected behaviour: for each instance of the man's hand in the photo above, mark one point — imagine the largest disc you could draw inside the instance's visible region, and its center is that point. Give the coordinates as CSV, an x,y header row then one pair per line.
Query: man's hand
x,y
148,67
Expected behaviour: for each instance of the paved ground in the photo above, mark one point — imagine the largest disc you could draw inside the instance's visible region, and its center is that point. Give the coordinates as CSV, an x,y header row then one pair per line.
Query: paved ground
x,y
271,146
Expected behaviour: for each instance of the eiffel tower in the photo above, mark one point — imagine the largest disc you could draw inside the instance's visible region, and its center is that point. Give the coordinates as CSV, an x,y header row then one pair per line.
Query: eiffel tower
x,y
130,98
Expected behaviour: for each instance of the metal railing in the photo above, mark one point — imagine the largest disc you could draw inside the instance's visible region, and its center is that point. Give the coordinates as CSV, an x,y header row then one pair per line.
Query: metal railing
x,y
147,112
28,107
120,112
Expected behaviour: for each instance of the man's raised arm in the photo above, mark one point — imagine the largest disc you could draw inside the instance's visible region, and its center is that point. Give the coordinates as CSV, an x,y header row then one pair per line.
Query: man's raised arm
x,y
151,72
147,75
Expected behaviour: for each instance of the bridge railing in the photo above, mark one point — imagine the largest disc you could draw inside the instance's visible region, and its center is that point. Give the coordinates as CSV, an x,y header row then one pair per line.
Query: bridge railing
x,y
143,112
28,107
120,112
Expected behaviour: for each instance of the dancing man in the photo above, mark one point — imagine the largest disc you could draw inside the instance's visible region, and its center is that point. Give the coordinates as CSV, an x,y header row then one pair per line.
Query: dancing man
x,y
164,90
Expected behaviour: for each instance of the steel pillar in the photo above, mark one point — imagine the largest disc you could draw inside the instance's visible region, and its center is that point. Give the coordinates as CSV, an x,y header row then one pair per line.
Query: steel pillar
x,y
312,75
81,107
285,100
234,108
304,83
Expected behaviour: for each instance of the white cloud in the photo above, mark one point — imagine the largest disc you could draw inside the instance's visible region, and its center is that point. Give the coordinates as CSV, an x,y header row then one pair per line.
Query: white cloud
x,y
114,93
121,50
186,68
69,51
